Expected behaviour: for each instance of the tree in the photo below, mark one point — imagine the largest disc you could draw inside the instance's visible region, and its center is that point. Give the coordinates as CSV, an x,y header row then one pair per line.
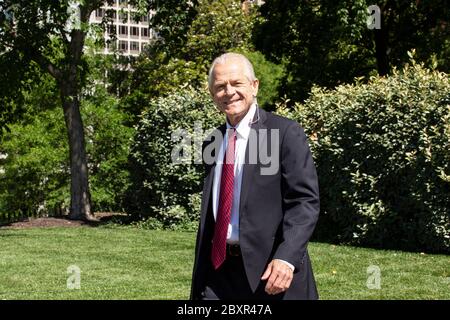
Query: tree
x,y
37,32
34,177
171,22
51,34
327,42
190,39
191,35
406,25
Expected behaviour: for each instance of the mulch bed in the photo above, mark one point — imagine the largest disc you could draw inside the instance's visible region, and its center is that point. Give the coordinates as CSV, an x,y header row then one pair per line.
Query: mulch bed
x,y
63,221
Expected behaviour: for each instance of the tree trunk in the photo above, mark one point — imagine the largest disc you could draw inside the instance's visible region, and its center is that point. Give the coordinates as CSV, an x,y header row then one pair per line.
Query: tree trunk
x,y
381,51
80,197
68,75
80,201
382,37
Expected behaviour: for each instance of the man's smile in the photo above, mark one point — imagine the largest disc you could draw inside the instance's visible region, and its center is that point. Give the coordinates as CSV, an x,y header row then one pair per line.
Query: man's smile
x,y
227,103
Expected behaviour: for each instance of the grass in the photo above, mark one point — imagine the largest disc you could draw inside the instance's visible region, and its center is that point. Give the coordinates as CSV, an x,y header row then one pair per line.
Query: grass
x,y
130,263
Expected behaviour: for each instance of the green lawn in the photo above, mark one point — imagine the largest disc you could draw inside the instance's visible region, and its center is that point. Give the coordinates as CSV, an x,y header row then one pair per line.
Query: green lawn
x,y
129,263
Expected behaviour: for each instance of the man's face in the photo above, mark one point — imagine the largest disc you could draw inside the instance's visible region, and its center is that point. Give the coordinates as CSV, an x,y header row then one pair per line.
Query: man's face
x,y
232,90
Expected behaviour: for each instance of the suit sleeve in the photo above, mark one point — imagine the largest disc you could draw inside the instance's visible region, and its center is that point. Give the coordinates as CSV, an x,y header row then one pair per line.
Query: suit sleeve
x,y
300,192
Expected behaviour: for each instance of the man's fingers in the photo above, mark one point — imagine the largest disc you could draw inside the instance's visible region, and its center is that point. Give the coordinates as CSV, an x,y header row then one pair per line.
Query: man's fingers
x,y
267,272
279,283
280,278
270,286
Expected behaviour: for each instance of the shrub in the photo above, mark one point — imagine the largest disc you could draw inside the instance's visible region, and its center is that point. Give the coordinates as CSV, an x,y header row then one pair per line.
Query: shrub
x,y
108,143
382,151
163,189
35,169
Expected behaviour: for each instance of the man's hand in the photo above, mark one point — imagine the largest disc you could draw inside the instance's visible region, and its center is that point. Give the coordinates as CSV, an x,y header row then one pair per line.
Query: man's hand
x,y
279,277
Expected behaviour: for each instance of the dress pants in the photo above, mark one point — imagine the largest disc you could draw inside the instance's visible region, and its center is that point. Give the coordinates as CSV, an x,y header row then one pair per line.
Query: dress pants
x,y
229,282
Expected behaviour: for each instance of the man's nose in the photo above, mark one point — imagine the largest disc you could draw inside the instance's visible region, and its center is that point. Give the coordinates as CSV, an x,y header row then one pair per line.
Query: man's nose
x,y
230,90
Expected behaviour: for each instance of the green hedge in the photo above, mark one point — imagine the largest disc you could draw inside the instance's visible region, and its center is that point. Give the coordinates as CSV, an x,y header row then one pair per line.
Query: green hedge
x,y
383,151
161,188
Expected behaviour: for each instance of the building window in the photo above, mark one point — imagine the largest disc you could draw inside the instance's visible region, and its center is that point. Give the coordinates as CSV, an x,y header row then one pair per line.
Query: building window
x,y
134,46
123,3
123,30
123,45
99,13
144,18
134,32
144,32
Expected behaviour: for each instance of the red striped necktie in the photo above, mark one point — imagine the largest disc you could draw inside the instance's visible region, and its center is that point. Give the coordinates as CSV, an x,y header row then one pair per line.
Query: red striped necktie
x,y
218,252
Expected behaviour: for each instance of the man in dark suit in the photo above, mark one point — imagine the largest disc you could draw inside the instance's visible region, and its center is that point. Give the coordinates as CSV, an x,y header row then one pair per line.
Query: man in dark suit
x,y
260,199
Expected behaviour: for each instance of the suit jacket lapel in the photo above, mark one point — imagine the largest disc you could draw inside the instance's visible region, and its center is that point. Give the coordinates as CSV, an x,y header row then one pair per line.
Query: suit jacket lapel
x,y
249,169
208,182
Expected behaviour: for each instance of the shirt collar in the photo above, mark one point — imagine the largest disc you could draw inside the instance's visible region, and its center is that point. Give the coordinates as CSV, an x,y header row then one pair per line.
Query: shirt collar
x,y
243,127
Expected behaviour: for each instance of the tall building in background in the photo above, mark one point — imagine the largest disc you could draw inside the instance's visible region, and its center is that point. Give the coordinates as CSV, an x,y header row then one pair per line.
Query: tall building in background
x,y
132,32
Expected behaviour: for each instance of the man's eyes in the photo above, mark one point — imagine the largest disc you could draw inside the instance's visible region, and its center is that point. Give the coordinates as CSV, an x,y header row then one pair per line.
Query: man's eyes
x,y
235,84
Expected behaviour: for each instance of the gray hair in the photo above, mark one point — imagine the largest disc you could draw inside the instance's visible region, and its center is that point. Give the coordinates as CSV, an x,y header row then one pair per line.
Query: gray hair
x,y
248,71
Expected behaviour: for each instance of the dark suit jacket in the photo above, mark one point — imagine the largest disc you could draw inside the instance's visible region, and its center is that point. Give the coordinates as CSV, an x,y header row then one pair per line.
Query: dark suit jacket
x,y
277,212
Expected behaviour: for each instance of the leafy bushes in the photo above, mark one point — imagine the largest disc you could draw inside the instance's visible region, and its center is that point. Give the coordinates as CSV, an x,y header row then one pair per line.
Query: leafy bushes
x,y
383,155
35,173
381,149
163,189
108,143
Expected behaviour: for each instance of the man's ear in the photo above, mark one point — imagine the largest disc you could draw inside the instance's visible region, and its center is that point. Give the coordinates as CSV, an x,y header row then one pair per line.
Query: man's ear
x,y
255,86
